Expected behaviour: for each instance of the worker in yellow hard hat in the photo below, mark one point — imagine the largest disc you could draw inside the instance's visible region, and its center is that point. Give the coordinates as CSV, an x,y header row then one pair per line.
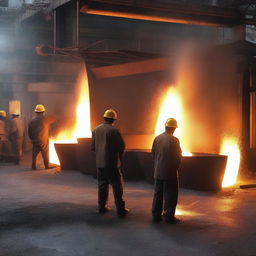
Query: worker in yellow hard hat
x,y
109,146
39,108
4,146
38,131
167,158
16,135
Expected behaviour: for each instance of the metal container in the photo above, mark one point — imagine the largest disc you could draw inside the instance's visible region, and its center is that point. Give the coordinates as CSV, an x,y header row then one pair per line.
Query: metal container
x,y
199,172
85,157
67,154
202,171
132,166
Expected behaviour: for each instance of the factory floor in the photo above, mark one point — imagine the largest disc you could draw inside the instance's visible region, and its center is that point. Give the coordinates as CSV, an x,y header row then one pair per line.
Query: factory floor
x,y
53,213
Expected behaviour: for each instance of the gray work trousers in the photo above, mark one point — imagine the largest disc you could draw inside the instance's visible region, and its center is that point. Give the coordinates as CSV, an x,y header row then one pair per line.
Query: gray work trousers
x,y
5,149
113,177
17,147
44,149
165,197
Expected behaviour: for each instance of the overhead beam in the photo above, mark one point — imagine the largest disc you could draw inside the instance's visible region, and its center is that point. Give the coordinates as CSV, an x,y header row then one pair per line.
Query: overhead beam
x,y
173,13
132,68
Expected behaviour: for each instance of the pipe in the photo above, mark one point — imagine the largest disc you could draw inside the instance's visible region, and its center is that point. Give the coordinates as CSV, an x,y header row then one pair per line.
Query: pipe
x,y
248,186
77,24
54,31
172,13
128,15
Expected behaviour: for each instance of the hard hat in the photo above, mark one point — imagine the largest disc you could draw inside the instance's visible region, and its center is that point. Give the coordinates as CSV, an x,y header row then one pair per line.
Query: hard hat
x,y
2,113
39,108
110,113
171,122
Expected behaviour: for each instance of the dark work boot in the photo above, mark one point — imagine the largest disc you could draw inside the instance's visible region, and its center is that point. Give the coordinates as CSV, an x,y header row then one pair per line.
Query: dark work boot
x,y
103,210
157,218
17,161
172,220
123,212
49,167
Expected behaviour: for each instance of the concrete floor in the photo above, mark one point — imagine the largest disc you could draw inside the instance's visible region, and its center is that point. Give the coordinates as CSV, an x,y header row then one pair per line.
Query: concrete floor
x,y
53,213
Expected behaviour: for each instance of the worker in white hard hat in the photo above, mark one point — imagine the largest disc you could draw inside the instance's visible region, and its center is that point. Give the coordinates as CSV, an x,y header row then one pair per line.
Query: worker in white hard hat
x,y
167,157
4,146
38,131
109,147
16,134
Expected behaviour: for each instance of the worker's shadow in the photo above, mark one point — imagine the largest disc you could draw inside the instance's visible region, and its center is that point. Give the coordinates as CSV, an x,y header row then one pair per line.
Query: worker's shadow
x,y
183,230
46,215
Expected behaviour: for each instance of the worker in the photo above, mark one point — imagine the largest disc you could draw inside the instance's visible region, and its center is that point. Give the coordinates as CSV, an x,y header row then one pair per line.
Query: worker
x,y
38,131
3,135
109,147
16,133
167,157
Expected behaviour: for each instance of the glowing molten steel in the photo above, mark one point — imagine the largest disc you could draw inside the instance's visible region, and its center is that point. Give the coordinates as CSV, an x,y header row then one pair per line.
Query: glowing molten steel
x,y
83,121
231,149
82,128
172,107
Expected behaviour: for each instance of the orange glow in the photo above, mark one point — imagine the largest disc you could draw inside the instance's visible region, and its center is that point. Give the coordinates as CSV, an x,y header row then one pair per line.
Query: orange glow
x,y
178,212
83,120
137,16
82,126
231,149
187,154
172,107
53,155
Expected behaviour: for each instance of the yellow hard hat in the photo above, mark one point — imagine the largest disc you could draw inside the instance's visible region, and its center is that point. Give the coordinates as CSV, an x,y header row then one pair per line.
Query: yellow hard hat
x,y
39,108
171,122
2,113
110,113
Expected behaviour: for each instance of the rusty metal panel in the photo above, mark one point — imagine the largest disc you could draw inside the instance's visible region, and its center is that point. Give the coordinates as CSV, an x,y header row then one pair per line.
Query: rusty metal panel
x,y
253,120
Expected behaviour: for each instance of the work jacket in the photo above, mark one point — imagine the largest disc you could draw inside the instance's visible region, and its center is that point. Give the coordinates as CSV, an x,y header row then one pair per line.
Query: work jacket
x,y
108,145
167,156
38,129
16,128
3,132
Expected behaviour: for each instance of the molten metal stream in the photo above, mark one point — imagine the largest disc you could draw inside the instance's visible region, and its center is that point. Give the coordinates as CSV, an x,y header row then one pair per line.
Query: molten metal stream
x,y
82,127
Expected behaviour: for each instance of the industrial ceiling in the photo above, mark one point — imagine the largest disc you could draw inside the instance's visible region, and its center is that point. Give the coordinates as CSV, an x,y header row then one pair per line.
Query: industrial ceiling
x,y
200,12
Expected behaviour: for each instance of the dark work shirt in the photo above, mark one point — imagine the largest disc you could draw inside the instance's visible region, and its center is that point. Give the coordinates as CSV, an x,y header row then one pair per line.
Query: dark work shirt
x,y
38,129
167,156
108,145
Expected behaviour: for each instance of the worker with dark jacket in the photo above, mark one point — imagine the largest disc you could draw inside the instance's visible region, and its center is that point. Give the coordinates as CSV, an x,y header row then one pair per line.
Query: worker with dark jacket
x,y
38,131
16,133
167,157
109,146
3,135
